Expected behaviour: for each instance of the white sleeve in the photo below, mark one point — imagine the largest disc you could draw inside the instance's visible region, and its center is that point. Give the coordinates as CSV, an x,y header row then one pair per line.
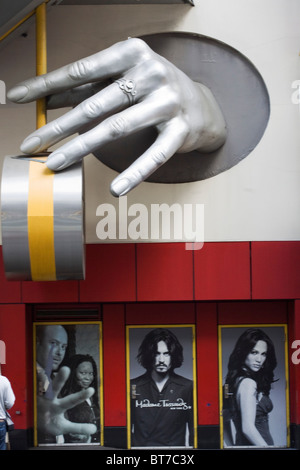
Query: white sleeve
x,y
9,396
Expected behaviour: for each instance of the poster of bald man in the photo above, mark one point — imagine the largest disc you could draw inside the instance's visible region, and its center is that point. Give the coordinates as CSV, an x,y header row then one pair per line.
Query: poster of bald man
x,y
68,395
161,387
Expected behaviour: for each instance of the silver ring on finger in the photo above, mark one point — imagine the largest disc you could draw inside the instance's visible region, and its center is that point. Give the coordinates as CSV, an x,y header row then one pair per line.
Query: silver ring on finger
x,y
129,88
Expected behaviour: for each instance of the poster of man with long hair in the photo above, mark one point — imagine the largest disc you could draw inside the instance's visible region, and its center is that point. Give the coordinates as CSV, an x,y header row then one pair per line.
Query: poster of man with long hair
x,y
253,391
161,386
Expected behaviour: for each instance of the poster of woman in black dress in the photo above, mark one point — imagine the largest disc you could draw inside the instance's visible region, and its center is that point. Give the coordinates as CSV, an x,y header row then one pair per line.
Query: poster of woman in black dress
x,y
68,392
253,377
161,386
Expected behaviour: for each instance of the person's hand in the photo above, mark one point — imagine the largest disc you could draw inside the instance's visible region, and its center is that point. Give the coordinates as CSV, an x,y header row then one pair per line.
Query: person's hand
x,y
51,418
78,437
146,91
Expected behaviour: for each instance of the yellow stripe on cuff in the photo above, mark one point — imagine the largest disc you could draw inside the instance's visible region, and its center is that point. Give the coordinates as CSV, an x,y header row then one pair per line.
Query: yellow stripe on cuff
x,y
40,215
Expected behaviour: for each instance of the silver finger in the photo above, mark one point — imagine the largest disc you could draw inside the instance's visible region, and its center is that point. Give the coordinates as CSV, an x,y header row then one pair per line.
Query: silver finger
x,y
97,107
166,145
75,96
119,125
113,61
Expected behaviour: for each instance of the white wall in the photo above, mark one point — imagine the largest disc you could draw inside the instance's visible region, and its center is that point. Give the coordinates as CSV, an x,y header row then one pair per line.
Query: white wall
x,y
258,199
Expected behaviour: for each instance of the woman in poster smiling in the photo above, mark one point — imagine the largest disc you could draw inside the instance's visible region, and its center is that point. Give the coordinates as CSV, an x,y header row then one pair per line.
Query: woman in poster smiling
x,y
250,375
83,375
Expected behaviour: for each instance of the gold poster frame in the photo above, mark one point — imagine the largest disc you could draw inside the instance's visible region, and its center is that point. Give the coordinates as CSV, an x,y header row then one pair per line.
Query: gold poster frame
x,y
286,368
194,373
100,388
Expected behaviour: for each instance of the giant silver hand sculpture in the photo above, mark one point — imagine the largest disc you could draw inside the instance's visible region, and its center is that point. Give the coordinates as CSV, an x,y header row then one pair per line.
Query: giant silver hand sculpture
x,y
144,90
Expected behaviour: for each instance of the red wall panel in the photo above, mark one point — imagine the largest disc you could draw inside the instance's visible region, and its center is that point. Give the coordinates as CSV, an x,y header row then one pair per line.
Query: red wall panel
x,y
160,313
164,272
207,364
275,270
222,271
12,332
44,292
252,312
110,273
114,365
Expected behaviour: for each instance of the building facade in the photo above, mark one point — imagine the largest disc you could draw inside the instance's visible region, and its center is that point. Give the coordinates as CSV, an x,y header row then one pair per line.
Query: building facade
x,y
223,284
244,275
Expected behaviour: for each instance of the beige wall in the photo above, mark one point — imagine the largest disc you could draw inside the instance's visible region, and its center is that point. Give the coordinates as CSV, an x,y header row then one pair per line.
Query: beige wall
x,y
258,199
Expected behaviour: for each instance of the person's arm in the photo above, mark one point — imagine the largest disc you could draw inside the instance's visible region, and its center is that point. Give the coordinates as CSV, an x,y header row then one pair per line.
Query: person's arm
x,y
9,397
247,401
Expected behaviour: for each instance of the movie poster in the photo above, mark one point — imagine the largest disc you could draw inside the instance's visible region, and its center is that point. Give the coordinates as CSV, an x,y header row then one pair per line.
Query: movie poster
x,y
253,386
68,378
161,385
